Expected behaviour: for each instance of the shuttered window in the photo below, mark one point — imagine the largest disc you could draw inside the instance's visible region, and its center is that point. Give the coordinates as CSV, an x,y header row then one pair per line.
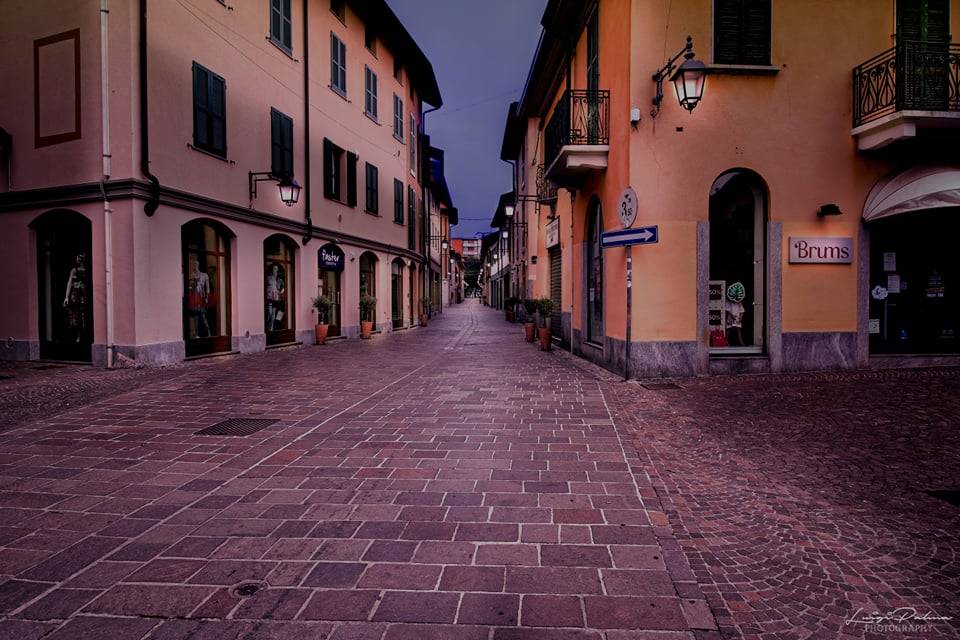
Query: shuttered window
x,y
923,21
397,201
372,204
209,111
413,145
741,32
351,179
411,205
338,65
593,51
281,24
281,144
370,93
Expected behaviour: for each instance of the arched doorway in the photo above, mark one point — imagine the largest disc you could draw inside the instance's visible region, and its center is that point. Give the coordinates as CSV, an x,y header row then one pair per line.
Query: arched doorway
x,y
411,281
279,302
594,273
368,280
65,295
396,293
738,216
330,266
206,287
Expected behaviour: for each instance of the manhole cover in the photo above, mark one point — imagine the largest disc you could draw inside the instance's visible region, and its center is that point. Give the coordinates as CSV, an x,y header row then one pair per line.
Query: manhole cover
x,y
236,427
659,386
948,495
247,589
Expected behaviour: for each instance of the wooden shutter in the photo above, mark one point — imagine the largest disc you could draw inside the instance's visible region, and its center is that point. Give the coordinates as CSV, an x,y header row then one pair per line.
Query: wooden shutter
x,y
923,21
351,179
756,32
201,135
328,172
287,22
286,125
276,143
218,114
741,32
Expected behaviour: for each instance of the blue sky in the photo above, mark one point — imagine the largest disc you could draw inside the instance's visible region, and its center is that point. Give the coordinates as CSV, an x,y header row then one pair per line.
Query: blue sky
x,y
481,52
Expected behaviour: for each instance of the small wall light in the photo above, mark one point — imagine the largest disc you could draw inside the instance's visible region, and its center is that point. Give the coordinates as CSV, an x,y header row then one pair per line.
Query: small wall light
x,y
828,210
508,210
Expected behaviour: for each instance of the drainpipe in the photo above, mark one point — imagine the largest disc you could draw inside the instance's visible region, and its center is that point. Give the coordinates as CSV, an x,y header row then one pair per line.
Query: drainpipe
x,y
154,200
105,151
306,122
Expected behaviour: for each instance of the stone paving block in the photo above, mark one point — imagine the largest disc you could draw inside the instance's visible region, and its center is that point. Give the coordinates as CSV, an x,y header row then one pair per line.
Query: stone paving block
x,y
551,611
104,628
498,609
334,574
149,600
423,607
337,604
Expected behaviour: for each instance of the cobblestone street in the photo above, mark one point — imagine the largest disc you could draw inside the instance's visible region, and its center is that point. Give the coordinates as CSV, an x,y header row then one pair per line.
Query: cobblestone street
x,y
455,482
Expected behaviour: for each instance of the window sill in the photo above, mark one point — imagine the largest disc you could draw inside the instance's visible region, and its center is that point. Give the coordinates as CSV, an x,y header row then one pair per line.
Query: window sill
x,y
398,138
743,69
399,223
283,49
222,158
372,118
340,92
372,213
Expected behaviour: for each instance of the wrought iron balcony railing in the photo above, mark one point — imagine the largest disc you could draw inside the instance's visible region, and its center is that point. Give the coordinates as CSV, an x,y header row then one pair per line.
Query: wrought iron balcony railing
x,y
546,190
919,76
581,117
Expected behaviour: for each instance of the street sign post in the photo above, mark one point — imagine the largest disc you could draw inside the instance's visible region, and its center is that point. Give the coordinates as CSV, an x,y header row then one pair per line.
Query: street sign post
x,y
640,235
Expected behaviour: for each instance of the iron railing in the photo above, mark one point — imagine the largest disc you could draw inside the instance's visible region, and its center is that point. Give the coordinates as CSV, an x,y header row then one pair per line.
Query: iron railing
x,y
920,76
546,190
581,117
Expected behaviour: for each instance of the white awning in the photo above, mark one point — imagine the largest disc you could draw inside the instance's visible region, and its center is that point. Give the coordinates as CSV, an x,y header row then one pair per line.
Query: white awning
x,y
916,189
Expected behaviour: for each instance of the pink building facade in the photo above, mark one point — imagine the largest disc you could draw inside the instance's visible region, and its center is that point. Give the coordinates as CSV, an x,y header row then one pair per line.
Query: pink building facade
x,y
141,147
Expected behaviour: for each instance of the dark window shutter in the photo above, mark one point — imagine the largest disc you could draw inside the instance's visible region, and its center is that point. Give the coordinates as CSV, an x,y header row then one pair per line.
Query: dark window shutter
x,y
276,20
741,32
287,25
276,143
287,126
923,20
201,135
756,32
328,171
218,114
351,179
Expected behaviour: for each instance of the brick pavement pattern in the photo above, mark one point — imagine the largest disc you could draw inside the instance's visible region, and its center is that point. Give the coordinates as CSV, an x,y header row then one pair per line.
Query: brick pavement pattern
x,y
450,482
799,499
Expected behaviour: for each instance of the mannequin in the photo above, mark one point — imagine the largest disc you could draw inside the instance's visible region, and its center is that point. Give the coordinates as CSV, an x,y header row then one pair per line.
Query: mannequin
x,y
75,298
734,310
275,291
198,298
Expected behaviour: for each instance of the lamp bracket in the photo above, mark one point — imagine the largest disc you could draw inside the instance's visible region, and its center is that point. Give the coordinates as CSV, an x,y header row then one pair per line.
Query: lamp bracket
x,y
666,70
259,176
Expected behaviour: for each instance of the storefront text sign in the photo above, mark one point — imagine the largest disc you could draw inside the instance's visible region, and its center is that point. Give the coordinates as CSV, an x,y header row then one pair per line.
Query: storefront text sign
x,y
331,259
552,233
821,250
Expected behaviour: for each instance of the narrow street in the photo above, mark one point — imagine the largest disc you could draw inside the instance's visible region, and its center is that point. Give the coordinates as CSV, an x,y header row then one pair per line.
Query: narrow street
x,y
455,482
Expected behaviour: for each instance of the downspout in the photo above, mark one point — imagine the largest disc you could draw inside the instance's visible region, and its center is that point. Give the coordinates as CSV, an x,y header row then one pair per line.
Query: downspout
x,y
306,122
153,202
105,151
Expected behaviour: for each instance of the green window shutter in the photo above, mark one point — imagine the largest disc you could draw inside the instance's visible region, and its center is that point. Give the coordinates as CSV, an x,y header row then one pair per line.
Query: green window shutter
x,y
201,135
217,100
276,143
328,170
351,179
923,21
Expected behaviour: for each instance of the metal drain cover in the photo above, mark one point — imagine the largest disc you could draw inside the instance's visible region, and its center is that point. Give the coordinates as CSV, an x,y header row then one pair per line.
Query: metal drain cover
x,y
247,589
236,427
948,495
660,386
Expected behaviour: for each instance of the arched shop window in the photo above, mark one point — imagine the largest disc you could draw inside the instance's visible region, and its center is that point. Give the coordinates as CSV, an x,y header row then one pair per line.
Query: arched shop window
x,y
594,273
368,278
206,287
278,289
65,292
738,213
329,269
396,293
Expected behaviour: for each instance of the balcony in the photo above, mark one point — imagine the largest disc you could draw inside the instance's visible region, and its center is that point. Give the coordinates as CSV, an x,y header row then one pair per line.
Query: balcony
x,y
577,137
546,190
904,91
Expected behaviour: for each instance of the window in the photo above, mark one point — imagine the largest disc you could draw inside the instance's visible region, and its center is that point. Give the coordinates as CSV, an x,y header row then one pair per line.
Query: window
x,y
593,51
741,32
339,173
370,93
413,145
281,24
278,287
595,274
398,70
281,144
398,201
370,38
209,111
397,118
338,65
373,189
411,205
338,7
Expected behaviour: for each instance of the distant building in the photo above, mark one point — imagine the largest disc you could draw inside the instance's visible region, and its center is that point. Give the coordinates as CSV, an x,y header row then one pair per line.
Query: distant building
x,y
470,247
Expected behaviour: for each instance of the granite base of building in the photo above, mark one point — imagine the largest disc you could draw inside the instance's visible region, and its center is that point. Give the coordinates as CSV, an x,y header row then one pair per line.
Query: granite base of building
x,y
811,351
20,350
647,359
154,355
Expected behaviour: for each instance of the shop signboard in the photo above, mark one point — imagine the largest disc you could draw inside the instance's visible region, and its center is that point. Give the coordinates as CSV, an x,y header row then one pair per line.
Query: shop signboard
x,y
330,258
552,233
821,250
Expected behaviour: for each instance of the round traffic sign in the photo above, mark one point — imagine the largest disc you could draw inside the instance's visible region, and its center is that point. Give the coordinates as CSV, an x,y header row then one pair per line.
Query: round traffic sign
x,y
627,210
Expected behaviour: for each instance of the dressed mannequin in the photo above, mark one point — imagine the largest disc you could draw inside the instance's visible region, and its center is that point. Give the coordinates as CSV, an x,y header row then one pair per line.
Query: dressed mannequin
x,y
75,298
198,298
275,291
734,310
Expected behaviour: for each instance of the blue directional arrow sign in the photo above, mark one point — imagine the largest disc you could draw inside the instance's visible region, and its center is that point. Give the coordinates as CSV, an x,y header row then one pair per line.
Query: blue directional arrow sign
x,y
640,235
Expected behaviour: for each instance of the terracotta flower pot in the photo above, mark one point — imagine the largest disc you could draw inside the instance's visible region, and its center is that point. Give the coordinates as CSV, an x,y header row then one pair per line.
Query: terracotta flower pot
x,y
320,331
529,329
423,319
544,338
366,328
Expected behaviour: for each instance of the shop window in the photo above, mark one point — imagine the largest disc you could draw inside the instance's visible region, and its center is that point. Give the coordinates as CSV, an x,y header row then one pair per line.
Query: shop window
x,y
741,32
595,273
330,261
206,288
278,289
281,144
737,263
209,111
281,24
368,279
396,293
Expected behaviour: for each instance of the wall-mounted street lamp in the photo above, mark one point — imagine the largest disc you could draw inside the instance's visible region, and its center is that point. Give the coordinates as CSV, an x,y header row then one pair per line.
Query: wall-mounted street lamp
x,y
289,188
688,79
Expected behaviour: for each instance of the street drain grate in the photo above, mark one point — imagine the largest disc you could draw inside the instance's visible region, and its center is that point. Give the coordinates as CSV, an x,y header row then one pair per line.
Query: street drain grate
x,y
247,589
660,386
236,427
948,495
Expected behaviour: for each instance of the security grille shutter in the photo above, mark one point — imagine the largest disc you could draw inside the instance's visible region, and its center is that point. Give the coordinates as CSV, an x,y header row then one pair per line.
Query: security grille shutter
x,y
328,173
218,113
201,135
351,179
556,287
741,32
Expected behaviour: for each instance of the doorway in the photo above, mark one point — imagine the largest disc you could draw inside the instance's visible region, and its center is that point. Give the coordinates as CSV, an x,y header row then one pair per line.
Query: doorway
x,y
206,288
330,267
368,282
396,293
278,290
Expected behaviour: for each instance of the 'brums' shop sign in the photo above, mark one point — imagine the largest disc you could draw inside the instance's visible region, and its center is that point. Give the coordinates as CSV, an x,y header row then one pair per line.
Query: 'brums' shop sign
x,y
821,250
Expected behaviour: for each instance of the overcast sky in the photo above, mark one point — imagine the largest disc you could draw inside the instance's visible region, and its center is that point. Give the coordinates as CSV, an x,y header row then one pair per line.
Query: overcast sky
x,y
481,52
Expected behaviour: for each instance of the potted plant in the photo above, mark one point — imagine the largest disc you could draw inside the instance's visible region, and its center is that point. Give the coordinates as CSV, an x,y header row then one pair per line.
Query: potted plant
x,y
425,303
530,320
322,305
545,307
368,306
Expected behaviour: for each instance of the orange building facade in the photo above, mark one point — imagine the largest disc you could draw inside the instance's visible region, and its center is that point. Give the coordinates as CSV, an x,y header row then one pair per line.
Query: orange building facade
x,y
802,209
